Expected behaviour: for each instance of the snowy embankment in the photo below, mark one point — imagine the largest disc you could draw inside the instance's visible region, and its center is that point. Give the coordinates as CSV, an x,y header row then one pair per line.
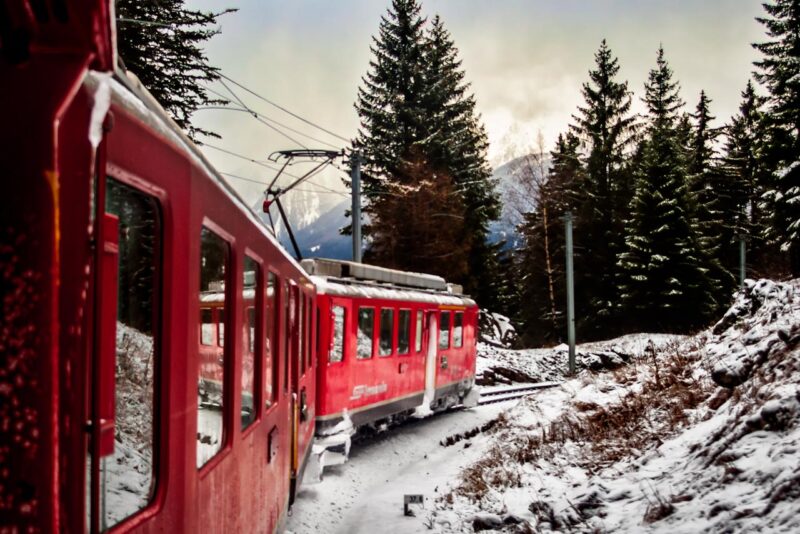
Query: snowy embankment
x,y
692,435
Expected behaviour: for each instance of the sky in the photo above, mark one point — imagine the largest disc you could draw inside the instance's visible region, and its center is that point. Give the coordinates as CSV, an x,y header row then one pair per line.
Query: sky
x,y
525,60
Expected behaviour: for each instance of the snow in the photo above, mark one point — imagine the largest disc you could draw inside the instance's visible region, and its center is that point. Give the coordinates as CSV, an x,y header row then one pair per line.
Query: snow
x,y
331,287
102,101
649,443
128,474
728,461
366,493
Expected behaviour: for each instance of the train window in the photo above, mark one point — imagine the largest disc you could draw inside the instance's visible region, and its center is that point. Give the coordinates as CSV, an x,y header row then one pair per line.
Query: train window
x,y
252,283
458,330
386,332
270,346
418,333
214,261
404,331
206,326
221,326
287,334
444,331
309,327
366,331
337,349
128,479
301,324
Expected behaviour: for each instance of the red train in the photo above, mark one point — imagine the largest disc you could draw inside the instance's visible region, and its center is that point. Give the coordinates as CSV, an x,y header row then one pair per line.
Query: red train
x,y
165,364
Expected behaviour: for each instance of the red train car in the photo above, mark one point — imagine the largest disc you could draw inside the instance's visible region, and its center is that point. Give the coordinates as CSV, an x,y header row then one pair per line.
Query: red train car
x,y
391,343
124,404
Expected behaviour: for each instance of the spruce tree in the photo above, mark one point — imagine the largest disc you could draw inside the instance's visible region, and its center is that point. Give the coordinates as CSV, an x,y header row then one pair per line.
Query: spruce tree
x,y
711,198
540,258
779,72
418,123
663,283
745,165
606,127
160,41
457,143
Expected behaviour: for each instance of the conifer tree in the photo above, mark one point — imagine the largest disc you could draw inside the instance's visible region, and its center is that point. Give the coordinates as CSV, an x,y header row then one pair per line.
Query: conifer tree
x,y
663,283
779,71
418,122
456,143
540,258
160,41
606,127
711,198
745,166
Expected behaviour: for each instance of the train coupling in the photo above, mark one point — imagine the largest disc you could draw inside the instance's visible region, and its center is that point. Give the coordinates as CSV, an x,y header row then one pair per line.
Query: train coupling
x,y
332,448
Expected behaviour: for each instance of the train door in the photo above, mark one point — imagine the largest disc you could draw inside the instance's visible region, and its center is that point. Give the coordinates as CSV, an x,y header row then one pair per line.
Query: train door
x,y
430,361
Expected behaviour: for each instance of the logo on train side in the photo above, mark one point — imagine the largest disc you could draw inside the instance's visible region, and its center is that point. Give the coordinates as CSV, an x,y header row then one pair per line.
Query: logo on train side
x,y
368,391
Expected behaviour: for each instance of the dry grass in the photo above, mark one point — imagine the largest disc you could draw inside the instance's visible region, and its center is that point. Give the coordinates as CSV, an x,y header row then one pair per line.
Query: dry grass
x,y
604,435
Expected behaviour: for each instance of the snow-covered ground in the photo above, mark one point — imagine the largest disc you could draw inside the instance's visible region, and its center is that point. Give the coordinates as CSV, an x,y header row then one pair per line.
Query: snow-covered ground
x,y
655,434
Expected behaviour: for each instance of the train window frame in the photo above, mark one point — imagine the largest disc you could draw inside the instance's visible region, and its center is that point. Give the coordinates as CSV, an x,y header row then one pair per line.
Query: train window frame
x,y
447,338
310,332
400,312
159,451
212,327
227,375
419,326
357,325
391,331
254,339
343,334
271,340
286,334
458,325
300,331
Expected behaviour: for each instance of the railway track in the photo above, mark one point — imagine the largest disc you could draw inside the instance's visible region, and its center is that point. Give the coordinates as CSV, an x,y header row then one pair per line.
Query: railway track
x,y
502,394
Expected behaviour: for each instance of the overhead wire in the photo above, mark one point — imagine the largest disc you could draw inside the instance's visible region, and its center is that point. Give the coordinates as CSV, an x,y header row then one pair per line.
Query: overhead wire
x,y
324,191
259,119
295,115
267,118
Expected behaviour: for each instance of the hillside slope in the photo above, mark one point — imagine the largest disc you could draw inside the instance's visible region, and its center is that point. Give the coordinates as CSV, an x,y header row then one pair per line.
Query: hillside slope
x,y
700,434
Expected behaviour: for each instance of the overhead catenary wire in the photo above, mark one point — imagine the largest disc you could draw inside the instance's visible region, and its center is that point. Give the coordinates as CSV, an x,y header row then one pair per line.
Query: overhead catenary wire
x,y
295,115
257,114
259,119
322,191
247,158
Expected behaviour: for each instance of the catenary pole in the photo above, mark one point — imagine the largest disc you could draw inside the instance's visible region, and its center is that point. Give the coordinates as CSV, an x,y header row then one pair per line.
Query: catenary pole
x,y
355,175
570,293
742,260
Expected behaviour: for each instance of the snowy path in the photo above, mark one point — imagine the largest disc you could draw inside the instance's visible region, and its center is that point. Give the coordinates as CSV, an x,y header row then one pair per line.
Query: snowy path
x,y
366,494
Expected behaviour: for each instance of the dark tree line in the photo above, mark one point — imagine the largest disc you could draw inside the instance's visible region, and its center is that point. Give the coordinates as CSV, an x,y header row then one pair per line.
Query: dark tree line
x,y
660,201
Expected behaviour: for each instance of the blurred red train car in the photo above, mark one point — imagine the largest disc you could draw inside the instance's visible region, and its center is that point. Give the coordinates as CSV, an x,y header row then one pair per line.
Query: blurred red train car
x,y
126,259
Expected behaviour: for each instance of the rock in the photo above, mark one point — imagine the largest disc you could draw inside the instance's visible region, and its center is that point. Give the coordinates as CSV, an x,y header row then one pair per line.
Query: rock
x,y
486,522
511,519
778,414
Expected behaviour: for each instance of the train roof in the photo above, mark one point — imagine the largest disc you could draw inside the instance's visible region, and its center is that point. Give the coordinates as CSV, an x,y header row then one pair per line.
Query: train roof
x,y
350,279
362,289
128,92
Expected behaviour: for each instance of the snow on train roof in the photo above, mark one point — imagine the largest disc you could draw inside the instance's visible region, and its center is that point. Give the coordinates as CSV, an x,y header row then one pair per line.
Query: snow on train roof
x,y
341,288
129,93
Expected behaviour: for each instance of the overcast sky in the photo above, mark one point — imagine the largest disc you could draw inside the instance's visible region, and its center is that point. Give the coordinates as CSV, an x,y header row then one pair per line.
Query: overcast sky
x,y
526,61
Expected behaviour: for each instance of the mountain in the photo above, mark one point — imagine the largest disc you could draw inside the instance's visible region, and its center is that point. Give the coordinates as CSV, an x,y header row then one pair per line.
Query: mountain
x,y
316,229
517,183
